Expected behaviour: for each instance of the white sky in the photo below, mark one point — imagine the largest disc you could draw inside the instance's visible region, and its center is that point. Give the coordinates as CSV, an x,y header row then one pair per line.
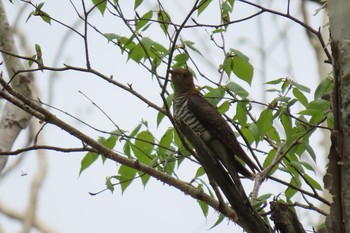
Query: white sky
x,y
64,202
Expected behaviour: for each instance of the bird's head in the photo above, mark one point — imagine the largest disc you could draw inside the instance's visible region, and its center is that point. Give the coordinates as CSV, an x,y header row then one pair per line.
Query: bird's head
x,y
182,80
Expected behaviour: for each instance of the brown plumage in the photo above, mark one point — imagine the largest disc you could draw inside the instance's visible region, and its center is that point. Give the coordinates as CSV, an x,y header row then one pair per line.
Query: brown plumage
x,y
193,109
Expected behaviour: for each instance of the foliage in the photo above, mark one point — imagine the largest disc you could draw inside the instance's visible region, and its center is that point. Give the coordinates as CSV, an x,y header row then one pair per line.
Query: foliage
x,y
287,144
276,133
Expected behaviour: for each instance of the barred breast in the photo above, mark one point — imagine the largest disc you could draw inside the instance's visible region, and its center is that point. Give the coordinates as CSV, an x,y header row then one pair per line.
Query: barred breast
x,y
182,113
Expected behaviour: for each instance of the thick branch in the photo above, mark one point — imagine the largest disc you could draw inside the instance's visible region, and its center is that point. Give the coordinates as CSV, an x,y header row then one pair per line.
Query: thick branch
x,y
44,115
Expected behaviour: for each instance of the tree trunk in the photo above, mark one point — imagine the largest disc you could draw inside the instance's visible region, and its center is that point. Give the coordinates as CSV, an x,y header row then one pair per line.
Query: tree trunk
x,y
13,119
337,179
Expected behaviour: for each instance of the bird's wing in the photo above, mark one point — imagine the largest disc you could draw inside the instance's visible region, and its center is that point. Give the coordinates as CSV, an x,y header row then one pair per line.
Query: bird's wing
x,y
217,126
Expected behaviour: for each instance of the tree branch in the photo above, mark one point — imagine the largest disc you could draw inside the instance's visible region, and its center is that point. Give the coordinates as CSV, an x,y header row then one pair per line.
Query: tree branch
x,y
37,223
39,112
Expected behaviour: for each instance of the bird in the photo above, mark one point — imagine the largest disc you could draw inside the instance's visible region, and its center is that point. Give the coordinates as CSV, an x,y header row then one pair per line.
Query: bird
x,y
191,108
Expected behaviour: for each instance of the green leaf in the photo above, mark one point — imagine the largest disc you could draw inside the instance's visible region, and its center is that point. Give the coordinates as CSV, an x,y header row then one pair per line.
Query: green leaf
x,y
143,146
264,122
169,163
240,65
237,89
316,107
110,142
144,178
287,125
137,3
204,207
275,81
269,159
165,142
261,200
311,151
241,113
160,117
126,43
101,5
89,159
224,107
31,61
226,6
243,69
312,182
39,55
221,217
126,176
109,184
137,53
147,43
284,99
46,17
273,134
307,166
164,19
181,59
289,192
324,87
38,12
111,36
296,165
248,135
231,2
301,87
190,45
160,48
286,85
203,5
144,20
330,120
255,132
219,30
200,172
127,149
215,95
228,65
300,96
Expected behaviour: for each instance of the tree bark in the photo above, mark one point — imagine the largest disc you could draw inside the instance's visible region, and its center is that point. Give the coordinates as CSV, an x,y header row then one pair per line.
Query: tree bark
x,y
337,179
13,119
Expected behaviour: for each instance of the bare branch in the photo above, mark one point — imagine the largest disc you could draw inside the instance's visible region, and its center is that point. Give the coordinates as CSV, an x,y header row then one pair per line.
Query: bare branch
x,y
43,147
37,223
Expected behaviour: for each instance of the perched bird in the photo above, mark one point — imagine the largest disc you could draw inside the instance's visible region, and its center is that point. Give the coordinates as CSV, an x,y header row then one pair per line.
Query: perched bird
x,y
191,108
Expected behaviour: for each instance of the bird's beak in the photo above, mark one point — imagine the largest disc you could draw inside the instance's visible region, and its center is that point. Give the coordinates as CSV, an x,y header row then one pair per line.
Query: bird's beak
x,y
171,71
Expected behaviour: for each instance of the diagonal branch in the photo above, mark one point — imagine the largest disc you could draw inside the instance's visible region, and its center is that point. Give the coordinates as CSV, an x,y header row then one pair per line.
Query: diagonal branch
x,y
39,112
